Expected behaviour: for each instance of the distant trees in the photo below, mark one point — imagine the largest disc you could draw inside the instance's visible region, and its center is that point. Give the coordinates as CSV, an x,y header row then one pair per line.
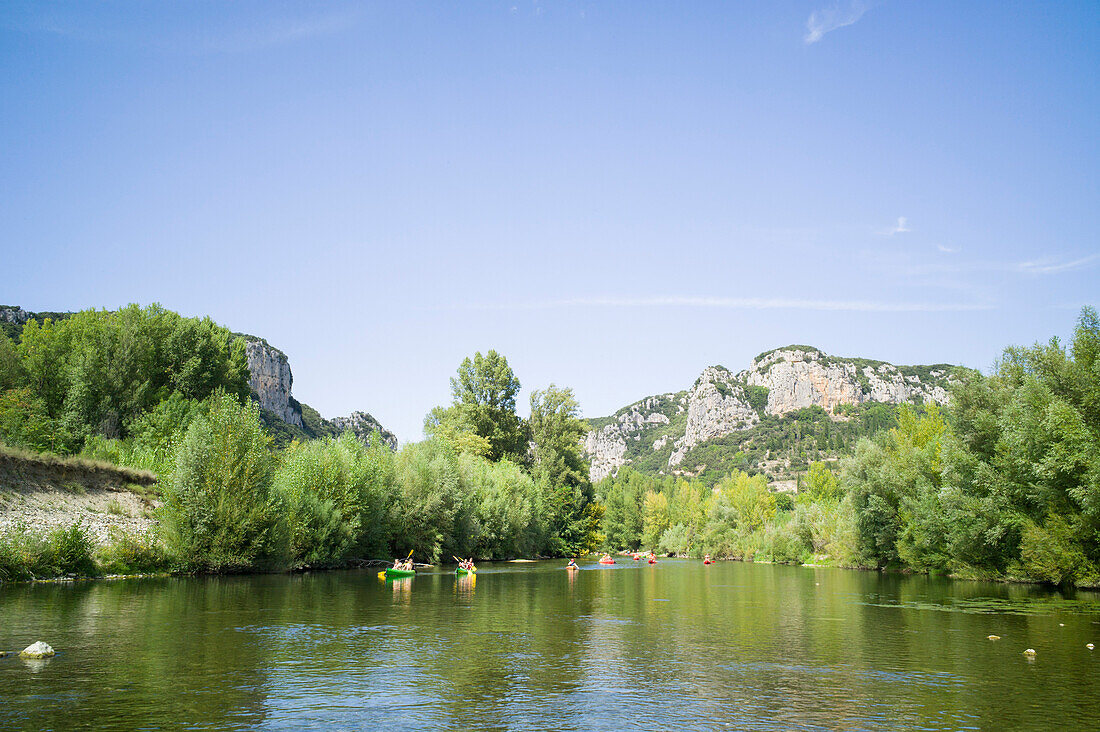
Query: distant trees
x,y
1004,482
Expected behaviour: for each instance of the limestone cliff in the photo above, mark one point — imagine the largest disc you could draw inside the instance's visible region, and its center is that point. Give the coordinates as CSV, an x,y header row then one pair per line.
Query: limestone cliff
x,y
716,406
658,432
271,380
797,377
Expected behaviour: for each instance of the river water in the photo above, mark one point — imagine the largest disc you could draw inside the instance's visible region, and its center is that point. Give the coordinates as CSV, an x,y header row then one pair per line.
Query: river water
x,y
674,646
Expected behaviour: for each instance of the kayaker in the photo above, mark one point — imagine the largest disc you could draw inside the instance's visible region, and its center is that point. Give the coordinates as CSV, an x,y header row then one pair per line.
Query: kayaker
x,y
572,564
408,564
706,559
398,564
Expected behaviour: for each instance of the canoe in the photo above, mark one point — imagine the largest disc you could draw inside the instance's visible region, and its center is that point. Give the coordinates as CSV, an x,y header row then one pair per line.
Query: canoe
x,y
392,573
460,571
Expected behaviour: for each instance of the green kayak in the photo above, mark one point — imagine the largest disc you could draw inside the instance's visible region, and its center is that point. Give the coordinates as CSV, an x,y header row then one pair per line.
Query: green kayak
x,y
461,571
392,573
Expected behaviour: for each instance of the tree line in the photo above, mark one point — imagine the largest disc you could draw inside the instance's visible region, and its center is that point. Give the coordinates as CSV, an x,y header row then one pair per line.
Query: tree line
x,y
148,388
1004,482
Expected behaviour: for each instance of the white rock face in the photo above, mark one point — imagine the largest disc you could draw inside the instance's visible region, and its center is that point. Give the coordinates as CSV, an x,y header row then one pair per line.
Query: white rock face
x,y
606,447
271,380
37,649
717,406
800,378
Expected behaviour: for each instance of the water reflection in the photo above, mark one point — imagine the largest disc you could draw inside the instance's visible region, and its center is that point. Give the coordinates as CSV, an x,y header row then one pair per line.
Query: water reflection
x,y
671,646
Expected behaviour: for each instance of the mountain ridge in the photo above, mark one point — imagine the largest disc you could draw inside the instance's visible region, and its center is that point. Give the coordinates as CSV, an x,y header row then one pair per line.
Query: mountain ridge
x,y
777,386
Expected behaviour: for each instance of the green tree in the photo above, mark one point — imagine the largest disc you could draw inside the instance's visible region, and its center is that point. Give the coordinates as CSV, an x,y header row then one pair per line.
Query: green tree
x,y
483,404
559,464
219,512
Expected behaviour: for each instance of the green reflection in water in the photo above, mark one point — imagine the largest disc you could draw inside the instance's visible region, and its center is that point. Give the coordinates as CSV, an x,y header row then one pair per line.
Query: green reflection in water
x,y
671,646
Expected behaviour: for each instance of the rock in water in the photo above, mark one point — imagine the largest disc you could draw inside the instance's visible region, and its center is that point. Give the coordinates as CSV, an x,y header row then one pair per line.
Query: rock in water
x,y
38,649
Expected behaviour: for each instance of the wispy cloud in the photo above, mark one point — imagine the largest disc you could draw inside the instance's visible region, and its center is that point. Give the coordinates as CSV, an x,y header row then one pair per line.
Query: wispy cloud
x,y
1049,266
901,227
840,14
738,303
946,250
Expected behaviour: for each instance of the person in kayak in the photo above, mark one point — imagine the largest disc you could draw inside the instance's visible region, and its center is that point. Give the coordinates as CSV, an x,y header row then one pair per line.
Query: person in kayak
x,y
572,564
706,559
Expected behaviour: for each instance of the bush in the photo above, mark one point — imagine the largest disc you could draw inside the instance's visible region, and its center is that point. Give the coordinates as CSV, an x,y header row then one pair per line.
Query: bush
x,y
220,514
338,499
675,541
133,554
23,555
70,551
28,555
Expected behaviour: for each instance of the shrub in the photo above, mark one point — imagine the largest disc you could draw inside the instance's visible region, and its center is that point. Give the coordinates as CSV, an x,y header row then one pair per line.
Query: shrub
x,y
219,513
133,554
69,551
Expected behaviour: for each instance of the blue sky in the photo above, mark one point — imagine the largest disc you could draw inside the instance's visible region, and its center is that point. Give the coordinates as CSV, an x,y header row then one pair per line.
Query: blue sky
x,y
612,194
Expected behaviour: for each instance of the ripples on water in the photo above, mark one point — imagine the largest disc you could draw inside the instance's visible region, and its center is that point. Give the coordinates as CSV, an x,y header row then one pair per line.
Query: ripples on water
x,y
674,646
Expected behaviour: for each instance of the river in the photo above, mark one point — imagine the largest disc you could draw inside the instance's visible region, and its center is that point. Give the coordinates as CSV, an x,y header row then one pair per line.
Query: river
x,y
673,646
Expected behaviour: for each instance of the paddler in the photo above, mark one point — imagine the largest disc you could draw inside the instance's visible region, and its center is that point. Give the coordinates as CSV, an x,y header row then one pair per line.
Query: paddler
x,y
572,564
706,559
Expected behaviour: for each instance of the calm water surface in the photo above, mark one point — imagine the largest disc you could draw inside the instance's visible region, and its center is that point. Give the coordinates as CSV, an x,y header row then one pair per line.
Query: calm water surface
x,y
675,646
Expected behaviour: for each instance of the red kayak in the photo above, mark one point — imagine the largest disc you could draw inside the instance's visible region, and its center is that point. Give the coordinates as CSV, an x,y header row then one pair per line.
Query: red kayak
x,y
636,557
708,562
607,561
652,561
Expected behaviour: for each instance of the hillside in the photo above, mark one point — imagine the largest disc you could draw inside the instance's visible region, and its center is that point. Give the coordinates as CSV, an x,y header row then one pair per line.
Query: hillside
x,y
270,380
792,405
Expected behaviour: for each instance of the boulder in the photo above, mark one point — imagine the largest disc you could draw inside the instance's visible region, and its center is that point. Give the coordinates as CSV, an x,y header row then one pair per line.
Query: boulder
x,y
38,649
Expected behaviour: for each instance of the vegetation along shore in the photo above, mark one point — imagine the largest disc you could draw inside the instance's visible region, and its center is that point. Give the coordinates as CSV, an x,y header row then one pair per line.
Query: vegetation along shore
x,y
140,440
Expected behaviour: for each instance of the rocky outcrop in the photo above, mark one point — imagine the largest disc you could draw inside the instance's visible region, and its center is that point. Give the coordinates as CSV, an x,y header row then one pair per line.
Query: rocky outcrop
x,y
720,403
800,377
606,446
271,380
717,406
14,314
363,426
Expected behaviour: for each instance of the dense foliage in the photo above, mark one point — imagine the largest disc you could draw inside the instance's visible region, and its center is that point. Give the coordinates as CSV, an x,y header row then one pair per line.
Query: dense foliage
x,y
97,373
1004,483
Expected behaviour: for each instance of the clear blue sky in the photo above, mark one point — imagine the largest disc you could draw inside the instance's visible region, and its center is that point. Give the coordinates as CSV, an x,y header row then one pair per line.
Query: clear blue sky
x,y
612,194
